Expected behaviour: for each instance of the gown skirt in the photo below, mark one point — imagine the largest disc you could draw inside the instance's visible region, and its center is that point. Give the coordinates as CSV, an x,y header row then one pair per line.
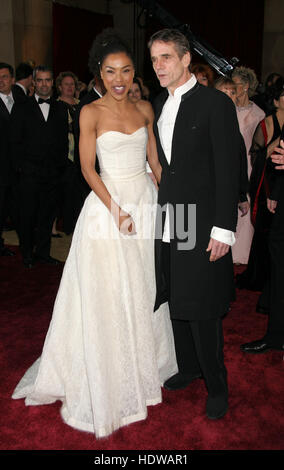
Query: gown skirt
x,y
106,353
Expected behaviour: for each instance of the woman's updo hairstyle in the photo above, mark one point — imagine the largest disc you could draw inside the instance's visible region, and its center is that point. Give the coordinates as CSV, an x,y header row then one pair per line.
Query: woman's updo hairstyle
x,y
274,92
106,43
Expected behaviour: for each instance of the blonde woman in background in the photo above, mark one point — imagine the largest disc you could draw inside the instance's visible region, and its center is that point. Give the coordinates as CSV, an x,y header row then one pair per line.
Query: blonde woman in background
x,y
249,116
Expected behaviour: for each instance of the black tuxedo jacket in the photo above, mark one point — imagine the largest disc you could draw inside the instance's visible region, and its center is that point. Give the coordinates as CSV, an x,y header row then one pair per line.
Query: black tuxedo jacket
x,y
203,174
5,149
19,93
39,147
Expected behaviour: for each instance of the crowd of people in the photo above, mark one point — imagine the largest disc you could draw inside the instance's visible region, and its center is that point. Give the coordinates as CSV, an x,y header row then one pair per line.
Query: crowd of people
x,y
71,152
254,110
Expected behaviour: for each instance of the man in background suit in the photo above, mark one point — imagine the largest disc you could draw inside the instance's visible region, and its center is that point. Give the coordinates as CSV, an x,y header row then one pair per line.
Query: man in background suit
x,y
24,77
8,97
97,91
39,139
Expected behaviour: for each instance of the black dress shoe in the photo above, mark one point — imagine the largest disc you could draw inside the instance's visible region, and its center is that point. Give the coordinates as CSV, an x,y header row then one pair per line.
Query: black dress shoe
x,y
261,346
256,347
217,407
6,252
48,260
180,381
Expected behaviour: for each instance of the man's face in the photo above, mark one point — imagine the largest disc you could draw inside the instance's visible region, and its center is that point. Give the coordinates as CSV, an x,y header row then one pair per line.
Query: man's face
x,y
171,70
6,81
43,84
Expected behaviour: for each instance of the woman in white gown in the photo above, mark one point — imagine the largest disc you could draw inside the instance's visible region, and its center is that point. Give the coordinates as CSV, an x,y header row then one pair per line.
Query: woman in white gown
x,y
106,354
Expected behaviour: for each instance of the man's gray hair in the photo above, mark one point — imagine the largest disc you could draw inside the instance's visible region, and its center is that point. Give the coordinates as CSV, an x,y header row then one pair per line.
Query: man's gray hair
x,y
172,35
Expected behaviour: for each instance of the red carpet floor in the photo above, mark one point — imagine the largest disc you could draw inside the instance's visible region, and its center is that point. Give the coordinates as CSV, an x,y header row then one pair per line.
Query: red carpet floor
x,y
254,421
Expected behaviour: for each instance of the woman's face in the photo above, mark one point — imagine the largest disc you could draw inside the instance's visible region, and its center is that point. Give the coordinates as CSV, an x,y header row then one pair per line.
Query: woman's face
x,y
242,87
134,93
117,73
67,87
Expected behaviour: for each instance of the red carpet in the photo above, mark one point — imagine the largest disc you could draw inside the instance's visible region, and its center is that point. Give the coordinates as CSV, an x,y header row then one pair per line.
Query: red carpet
x,y
254,421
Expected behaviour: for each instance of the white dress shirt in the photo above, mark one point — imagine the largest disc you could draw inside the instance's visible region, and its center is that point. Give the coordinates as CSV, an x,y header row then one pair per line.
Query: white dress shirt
x,y
166,125
22,86
44,107
8,100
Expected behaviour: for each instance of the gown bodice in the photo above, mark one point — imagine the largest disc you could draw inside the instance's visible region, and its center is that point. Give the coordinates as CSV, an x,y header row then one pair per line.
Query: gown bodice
x,y
122,156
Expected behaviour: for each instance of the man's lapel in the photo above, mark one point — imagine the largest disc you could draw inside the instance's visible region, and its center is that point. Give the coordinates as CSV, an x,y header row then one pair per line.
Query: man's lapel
x,y
51,110
179,117
36,108
4,109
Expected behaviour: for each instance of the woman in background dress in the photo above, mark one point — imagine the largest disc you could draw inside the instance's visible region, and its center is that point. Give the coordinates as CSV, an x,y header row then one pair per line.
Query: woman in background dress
x,y
249,116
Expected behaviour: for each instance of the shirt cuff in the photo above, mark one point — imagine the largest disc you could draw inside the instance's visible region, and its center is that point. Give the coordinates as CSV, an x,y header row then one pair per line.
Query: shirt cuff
x,y
148,168
223,235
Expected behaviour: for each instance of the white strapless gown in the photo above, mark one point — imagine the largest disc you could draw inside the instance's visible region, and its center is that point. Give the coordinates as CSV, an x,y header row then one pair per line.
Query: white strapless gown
x,y
106,353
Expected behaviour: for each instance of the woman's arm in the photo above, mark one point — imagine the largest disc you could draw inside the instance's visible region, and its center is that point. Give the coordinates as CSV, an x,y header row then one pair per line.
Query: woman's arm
x,y
152,154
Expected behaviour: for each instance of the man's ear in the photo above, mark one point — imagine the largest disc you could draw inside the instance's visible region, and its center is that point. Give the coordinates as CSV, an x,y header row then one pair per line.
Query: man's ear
x,y
186,59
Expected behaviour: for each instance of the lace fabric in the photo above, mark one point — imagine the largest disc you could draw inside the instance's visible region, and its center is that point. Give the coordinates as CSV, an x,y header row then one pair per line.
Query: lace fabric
x,y
106,352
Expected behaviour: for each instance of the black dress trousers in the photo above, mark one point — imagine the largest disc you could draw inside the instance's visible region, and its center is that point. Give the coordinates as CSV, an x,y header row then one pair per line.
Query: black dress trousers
x,y
275,329
199,344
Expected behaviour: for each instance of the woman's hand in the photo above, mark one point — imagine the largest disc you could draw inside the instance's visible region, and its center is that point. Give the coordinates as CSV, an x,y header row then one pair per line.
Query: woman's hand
x,y
126,224
271,205
278,157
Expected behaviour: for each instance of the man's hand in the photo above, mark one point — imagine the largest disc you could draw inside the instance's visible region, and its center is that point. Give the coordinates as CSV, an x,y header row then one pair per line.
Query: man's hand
x,y
218,249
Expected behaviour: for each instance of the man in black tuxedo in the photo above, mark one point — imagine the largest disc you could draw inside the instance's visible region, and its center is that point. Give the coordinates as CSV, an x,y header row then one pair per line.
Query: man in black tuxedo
x,y
198,142
39,139
7,99
24,77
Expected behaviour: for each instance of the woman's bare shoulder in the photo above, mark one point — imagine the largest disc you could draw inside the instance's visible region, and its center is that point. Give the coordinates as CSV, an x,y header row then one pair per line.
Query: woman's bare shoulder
x,y
91,112
145,108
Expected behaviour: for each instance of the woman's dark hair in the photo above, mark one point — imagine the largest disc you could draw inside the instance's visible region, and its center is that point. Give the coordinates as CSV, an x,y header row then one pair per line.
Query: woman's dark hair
x,y
107,42
271,79
275,91
136,80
